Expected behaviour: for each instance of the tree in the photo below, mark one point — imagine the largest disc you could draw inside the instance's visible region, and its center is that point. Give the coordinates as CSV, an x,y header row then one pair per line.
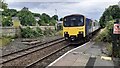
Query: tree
x,y
113,12
53,21
3,5
55,17
46,18
7,21
9,12
26,17
36,14
61,19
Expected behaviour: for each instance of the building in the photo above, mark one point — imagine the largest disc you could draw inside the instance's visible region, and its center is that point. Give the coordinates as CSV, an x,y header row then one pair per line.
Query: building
x,y
16,22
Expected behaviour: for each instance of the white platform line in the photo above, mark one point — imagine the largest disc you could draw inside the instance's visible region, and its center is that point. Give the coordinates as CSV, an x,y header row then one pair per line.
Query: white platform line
x,y
66,54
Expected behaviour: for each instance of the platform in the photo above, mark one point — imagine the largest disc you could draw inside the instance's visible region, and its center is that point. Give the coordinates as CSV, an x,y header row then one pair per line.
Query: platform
x,y
88,54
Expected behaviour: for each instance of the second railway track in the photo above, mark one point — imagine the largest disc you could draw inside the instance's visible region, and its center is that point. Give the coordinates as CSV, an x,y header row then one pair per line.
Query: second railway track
x,y
14,56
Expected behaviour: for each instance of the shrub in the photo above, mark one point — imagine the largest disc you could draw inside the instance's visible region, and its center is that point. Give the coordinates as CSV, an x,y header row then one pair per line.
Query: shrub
x,y
106,34
39,31
30,33
5,40
49,32
27,32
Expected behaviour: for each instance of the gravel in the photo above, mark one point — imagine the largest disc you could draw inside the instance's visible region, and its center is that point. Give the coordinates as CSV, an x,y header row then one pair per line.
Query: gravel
x,y
36,55
17,45
44,63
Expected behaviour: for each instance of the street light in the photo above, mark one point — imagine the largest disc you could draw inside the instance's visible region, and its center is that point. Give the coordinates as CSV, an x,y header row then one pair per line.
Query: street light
x,y
55,11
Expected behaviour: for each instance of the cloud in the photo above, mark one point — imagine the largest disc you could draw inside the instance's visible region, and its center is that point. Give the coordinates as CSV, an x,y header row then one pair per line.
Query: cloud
x,y
90,8
61,0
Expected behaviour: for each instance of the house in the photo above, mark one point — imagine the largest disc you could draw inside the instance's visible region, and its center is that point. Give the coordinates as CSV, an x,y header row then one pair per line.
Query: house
x,y
16,22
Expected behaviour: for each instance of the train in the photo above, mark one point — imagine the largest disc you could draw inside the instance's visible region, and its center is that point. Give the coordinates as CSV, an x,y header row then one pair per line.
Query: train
x,y
78,27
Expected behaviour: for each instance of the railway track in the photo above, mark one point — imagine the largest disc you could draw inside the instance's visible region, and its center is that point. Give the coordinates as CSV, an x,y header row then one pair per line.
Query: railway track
x,y
41,60
36,45
13,56
36,55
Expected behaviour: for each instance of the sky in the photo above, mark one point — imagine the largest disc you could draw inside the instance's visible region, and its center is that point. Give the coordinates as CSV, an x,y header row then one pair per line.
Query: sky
x,y
92,9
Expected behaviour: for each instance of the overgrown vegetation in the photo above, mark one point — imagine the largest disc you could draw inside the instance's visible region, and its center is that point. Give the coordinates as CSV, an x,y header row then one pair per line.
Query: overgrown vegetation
x,y
5,40
106,34
32,33
111,13
106,21
26,17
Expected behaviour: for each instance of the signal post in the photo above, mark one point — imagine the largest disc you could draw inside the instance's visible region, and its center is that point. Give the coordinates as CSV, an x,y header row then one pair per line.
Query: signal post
x,y
116,39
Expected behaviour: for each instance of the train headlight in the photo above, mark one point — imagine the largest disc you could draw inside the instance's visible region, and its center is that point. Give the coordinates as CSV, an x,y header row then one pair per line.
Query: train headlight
x,y
80,32
65,32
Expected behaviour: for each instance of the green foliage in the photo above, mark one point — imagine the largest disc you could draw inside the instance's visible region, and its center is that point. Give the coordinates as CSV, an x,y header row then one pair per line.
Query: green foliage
x,y
26,17
39,32
61,19
49,32
4,41
55,17
46,20
7,17
106,34
27,32
109,48
53,22
59,27
113,12
9,12
30,33
7,21
41,22
3,5
36,15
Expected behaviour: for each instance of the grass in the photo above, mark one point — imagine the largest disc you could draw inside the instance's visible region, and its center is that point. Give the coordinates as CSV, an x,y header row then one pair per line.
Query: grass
x,y
4,41
60,33
101,35
109,48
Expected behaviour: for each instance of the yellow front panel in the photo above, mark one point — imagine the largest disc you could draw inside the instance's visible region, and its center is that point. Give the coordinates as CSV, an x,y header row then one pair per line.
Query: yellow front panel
x,y
74,30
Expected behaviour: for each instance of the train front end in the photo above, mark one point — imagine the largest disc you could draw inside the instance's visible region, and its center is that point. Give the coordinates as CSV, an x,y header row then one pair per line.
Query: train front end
x,y
73,27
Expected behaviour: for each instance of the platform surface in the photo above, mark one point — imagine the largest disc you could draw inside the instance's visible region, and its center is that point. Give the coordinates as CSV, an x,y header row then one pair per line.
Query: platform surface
x,y
88,54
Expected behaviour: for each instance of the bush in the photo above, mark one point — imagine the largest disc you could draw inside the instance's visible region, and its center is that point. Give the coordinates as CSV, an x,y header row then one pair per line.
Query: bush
x,y
38,32
5,40
30,33
27,32
49,32
106,35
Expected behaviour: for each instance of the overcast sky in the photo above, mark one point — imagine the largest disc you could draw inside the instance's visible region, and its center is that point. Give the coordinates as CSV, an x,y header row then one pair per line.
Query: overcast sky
x,y
90,8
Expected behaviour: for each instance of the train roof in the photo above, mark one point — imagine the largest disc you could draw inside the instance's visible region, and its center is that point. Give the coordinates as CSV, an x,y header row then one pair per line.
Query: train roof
x,y
73,15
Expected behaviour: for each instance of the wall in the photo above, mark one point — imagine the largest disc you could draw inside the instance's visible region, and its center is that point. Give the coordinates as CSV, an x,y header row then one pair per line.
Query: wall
x,y
12,31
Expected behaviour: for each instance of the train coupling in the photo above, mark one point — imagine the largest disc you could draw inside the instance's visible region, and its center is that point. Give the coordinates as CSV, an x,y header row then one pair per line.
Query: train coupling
x,y
72,38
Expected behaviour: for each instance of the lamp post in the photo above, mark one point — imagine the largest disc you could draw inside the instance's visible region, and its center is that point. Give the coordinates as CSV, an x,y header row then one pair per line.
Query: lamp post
x,y
55,11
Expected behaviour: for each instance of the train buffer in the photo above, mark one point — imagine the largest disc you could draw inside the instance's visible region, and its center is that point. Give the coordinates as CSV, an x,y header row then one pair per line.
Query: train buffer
x,y
84,56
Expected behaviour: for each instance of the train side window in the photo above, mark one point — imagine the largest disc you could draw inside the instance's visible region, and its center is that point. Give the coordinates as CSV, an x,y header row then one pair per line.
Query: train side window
x,y
94,23
81,20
